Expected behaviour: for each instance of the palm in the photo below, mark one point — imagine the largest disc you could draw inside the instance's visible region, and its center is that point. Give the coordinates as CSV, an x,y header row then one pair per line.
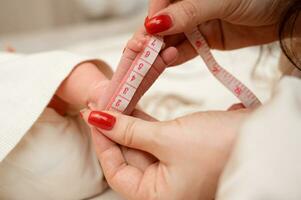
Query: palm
x,y
133,180
149,183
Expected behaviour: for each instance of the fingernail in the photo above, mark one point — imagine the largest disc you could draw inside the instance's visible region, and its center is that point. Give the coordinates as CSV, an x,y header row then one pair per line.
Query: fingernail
x,y
102,120
157,24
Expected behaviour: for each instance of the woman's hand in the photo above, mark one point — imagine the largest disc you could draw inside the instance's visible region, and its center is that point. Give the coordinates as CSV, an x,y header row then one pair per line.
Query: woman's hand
x,y
191,153
226,24
88,85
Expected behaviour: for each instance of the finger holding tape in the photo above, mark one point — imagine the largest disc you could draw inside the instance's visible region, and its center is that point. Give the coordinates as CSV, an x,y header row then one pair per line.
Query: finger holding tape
x,y
128,131
146,67
129,55
163,60
136,158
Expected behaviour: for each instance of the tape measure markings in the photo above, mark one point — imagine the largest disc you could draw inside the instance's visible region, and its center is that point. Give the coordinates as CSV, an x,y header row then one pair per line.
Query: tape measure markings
x,y
133,78
228,80
142,64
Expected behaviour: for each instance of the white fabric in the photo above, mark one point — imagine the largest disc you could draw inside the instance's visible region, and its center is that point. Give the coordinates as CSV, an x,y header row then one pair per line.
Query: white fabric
x,y
43,155
27,85
54,160
266,162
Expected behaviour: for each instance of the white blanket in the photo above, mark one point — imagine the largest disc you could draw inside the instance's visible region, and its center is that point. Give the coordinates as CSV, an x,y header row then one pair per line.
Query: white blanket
x,y
43,155
266,162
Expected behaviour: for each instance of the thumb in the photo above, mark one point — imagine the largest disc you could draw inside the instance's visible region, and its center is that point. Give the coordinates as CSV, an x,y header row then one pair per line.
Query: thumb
x,y
182,16
128,131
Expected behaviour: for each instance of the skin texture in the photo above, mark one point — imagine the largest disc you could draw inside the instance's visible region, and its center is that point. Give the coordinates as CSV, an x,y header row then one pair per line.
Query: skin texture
x,y
190,154
88,86
226,24
185,156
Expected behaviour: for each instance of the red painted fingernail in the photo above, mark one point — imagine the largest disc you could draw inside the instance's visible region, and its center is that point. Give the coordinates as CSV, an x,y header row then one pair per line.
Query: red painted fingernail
x,y
146,19
81,115
157,24
102,120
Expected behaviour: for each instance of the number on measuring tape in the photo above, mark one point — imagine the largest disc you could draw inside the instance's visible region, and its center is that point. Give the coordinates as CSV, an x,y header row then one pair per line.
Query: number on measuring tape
x,y
134,79
228,80
149,55
127,92
215,69
198,44
156,44
120,104
126,89
142,67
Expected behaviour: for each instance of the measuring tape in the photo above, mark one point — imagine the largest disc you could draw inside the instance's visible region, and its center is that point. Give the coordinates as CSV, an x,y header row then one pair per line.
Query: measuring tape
x,y
244,94
134,76
143,62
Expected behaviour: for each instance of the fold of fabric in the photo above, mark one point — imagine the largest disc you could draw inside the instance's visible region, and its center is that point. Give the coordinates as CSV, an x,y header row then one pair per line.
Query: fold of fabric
x,y
27,84
266,163
54,160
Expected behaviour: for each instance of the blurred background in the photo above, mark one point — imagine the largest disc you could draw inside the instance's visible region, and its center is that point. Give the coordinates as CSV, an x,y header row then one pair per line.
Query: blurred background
x,y
101,28
37,25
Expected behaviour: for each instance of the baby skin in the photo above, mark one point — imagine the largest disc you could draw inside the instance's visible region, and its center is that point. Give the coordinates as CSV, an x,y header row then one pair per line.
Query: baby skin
x,y
89,87
56,158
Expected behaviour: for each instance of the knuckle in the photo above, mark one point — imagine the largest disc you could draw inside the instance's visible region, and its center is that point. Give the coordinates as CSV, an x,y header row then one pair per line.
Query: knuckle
x,y
129,134
190,12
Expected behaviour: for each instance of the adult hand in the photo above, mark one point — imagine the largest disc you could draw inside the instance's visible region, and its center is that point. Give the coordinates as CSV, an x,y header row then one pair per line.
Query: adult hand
x,y
226,24
87,85
191,153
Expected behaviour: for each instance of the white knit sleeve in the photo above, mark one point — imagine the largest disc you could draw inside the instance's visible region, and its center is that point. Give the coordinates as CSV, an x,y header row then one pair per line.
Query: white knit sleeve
x,y
27,84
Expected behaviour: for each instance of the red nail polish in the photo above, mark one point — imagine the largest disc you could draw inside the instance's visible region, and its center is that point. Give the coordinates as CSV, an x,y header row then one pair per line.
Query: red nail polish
x,y
81,115
157,24
102,120
146,19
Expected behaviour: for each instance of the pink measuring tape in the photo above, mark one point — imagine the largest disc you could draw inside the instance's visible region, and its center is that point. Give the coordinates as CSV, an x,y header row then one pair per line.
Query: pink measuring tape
x,y
142,64
244,94
134,76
